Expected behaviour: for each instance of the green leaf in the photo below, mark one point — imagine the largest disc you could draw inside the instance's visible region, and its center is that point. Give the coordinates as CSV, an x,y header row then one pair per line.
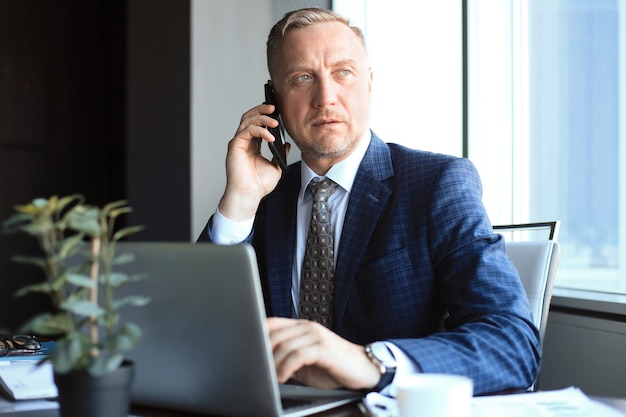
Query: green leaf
x,y
114,279
112,206
120,234
38,228
82,308
127,337
138,277
47,324
119,211
66,201
124,258
43,203
67,353
80,280
58,283
109,320
72,245
42,287
35,207
105,363
33,260
85,219
132,300
13,223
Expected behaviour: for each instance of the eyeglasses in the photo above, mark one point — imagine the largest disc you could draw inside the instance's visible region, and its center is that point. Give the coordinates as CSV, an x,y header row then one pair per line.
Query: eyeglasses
x,y
19,344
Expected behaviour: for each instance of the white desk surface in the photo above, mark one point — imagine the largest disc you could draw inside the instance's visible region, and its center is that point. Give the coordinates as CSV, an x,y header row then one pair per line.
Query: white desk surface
x,y
48,408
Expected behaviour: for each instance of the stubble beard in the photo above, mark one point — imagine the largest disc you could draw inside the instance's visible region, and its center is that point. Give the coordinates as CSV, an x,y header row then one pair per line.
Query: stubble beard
x,y
321,150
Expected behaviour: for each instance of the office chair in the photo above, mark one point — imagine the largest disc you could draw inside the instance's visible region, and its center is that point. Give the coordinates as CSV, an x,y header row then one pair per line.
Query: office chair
x,y
526,231
537,262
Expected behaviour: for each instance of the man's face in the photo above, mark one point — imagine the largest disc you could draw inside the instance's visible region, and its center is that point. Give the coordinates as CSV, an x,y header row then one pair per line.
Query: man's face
x,y
323,83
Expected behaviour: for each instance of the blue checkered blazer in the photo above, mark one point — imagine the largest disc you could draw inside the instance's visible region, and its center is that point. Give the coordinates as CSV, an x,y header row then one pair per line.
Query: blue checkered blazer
x,y
418,265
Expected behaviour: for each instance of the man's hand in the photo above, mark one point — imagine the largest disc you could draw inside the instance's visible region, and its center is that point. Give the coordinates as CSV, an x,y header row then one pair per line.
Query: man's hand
x,y
314,355
249,175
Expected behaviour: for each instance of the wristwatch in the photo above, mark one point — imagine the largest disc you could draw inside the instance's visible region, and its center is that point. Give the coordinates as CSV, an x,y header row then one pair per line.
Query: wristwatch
x,y
381,356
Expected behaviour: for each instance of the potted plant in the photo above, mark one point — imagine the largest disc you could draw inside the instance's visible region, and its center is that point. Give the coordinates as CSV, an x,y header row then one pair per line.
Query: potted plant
x,y
78,243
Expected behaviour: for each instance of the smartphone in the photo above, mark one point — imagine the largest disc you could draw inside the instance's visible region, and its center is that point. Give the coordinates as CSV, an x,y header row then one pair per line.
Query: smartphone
x,y
278,146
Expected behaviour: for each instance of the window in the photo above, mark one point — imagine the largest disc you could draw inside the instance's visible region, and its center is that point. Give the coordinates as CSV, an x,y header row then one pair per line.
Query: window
x,y
547,101
546,111
416,56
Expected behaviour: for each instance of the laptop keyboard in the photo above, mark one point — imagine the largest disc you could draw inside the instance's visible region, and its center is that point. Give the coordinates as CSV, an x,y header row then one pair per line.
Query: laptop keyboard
x,y
293,403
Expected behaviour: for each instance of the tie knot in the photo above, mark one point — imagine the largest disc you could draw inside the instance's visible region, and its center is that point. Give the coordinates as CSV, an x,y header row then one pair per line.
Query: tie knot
x,y
323,189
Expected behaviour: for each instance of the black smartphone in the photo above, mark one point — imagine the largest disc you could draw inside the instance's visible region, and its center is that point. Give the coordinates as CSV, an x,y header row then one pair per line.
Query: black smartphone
x,y
278,146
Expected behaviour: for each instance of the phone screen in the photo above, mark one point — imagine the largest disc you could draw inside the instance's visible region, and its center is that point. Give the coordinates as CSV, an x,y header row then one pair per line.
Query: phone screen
x,y
278,146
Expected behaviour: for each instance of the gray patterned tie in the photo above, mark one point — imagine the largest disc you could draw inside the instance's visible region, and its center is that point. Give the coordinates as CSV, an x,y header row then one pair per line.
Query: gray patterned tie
x,y
318,267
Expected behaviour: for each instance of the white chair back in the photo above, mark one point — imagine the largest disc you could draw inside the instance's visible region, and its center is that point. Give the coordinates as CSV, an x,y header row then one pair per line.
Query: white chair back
x,y
536,262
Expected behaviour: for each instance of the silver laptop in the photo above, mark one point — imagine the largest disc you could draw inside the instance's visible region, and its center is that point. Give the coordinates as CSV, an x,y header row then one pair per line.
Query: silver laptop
x,y
205,346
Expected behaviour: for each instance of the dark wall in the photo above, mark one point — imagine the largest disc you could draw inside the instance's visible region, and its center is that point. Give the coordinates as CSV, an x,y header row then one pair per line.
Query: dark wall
x,y
62,118
158,118
94,99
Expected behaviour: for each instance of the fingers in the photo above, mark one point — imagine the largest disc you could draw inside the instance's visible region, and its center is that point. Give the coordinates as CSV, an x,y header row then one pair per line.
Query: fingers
x,y
252,132
296,344
254,121
316,356
249,174
288,338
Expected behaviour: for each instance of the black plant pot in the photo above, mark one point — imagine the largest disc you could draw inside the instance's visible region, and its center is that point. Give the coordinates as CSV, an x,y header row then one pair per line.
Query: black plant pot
x,y
83,395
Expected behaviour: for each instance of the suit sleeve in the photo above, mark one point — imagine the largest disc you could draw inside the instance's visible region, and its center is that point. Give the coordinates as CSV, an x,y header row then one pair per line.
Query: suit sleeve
x,y
488,332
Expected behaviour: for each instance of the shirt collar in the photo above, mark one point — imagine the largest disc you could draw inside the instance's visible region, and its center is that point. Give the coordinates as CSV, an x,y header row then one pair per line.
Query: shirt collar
x,y
343,173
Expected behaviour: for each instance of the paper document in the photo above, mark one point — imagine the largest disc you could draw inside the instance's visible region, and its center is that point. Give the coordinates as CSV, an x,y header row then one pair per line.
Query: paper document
x,y
27,380
568,402
10,407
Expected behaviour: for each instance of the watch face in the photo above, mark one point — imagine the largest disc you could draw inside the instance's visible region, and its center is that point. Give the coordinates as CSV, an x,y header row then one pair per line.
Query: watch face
x,y
383,354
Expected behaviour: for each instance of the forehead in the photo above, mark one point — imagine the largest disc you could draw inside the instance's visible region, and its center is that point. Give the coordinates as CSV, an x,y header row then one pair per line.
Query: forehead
x,y
328,40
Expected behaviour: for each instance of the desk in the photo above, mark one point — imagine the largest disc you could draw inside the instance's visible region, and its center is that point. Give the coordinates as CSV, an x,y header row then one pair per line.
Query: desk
x,y
618,403
349,410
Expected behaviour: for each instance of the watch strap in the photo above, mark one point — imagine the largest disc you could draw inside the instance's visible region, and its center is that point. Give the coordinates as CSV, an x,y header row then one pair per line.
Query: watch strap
x,y
386,372
385,379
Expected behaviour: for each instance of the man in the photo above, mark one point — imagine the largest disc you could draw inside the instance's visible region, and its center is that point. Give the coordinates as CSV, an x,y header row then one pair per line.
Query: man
x,y
415,261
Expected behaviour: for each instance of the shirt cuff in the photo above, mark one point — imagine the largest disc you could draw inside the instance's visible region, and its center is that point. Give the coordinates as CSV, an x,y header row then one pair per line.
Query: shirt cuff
x,y
404,366
224,231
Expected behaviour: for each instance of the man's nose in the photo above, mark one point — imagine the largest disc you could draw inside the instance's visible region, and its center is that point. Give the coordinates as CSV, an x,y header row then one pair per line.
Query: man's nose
x,y
325,92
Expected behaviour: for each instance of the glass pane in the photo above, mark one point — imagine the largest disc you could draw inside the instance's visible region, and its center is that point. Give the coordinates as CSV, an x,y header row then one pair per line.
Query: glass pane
x,y
416,58
574,135
547,126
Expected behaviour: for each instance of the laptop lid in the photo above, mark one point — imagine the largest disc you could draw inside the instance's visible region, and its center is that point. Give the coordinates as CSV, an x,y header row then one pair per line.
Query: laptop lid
x,y
205,345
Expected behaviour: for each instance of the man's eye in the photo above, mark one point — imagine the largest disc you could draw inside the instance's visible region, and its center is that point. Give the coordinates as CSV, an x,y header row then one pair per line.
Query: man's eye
x,y
304,77
345,72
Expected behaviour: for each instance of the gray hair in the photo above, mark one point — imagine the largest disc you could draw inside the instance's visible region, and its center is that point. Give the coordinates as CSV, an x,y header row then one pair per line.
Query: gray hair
x,y
298,19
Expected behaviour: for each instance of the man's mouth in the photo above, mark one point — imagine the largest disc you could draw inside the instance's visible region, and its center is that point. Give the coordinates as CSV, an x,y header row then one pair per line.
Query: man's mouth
x,y
325,122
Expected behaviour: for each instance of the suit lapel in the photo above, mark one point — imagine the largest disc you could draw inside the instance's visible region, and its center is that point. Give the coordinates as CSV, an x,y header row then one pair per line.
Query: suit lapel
x,y
368,198
280,238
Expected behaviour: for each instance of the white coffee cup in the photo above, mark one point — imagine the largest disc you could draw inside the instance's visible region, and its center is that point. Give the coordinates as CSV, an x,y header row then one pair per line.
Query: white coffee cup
x,y
434,395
